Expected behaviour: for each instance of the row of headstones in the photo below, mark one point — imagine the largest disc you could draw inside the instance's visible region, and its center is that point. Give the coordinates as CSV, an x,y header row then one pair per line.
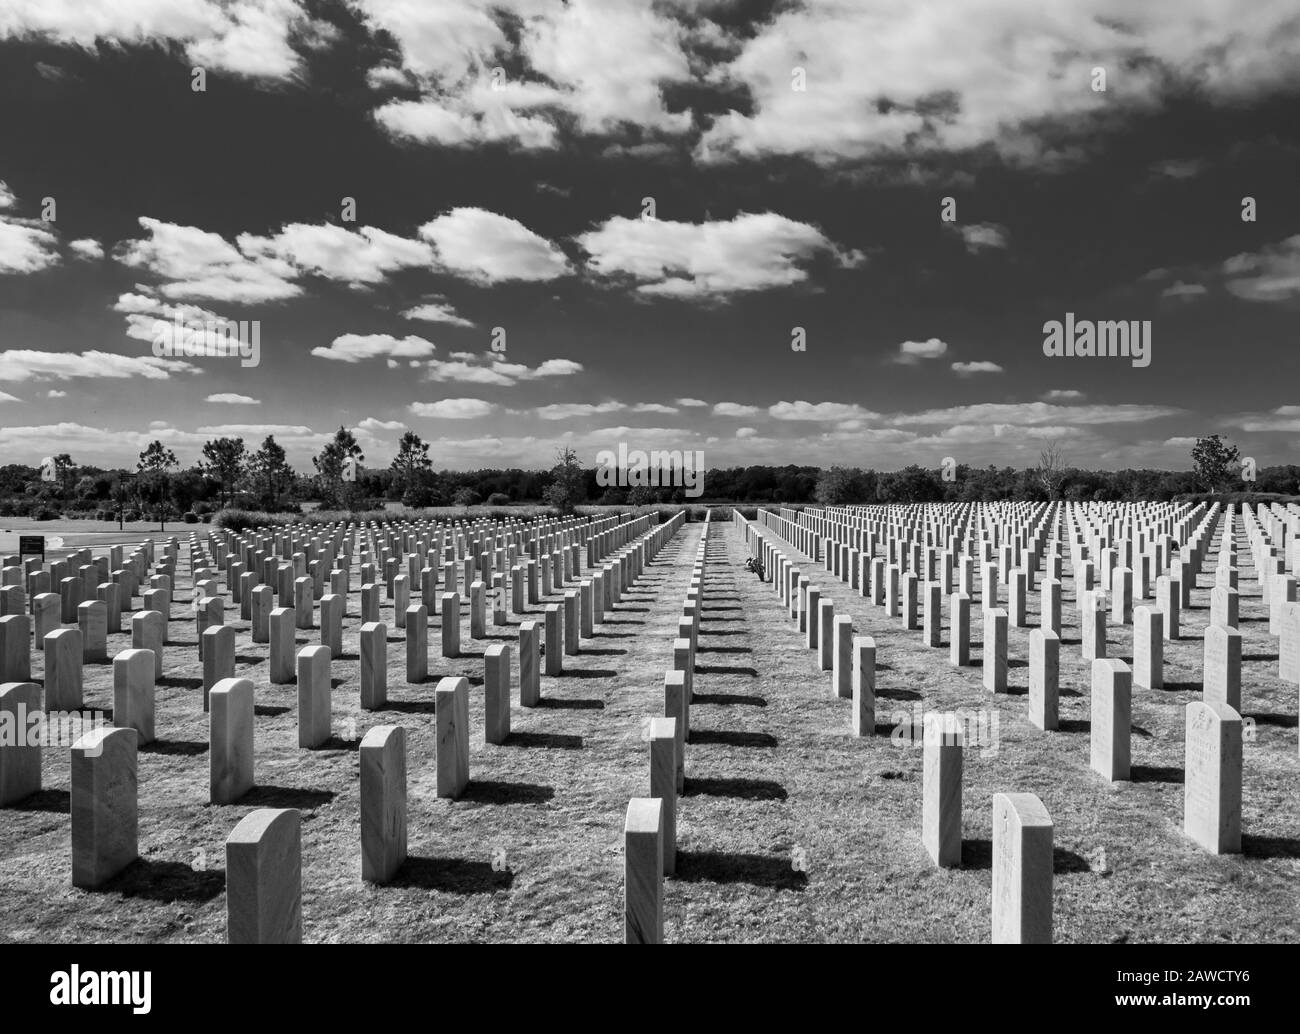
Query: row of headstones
x,y
1022,883
643,871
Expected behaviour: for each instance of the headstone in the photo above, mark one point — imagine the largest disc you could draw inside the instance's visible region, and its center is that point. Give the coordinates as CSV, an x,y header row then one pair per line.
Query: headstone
x,y
133,693
20,760
643,878
450,624
1044,671
959,632
417,644
383,802
374,665
1111,718
995,650
264,878
104,805
218,657
230,738
496,693
1148,648
677,705
842,676
941,792
452,707
1224,606
1022,870
663,783
554,653
149,632
864,686
263,602
1221,676
1212,780
530,679
332,607
313,696
281,664
15,648
63,670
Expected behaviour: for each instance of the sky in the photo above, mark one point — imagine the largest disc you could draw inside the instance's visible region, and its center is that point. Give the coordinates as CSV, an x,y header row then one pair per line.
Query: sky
x,y
804,232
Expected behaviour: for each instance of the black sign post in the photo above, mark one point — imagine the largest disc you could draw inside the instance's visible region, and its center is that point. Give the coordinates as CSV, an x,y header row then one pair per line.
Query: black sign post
x,y
31,545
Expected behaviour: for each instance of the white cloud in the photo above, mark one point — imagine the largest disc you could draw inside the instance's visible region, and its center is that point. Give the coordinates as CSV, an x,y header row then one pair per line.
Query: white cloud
x,y
819,411
491,248
1269,275
490,368
568,410
198,264
21,364
7,198
912,352
353,348
1062,394
374,425
231,399
735,409
1185,292
653,407
952,75
6,397
983,366
453,409
54,393
981,236
87,248
691,402
437,311
751,252
362,256
246,37
1283,418
26,246
1035,413
745,432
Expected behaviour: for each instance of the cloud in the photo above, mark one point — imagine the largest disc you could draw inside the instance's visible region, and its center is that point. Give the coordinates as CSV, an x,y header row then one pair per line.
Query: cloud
x,y
1283,418
231,399
981,236
437,311
653,407
7,199
353,348
1035,413
246,37
568,410
452,409
1062,394
374,425
54,393
819,411
1178,168
912,352
21,364
983,366
745,432
6,397
735,409
490,368
197,264
691,402
490,248
359,257
26,245
751,252
1008,75
1183,291
1269,275
87,248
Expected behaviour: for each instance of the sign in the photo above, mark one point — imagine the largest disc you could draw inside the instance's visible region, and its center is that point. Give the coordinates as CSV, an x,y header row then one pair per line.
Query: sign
x,y
31,545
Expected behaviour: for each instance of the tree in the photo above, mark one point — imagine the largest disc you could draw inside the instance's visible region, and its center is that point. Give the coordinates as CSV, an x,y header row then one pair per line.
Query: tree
x,y
1213,460
568,485
330,463
466,497
411,461
1051,469
225,462
269,471
154,482
122,493
156,458
838,486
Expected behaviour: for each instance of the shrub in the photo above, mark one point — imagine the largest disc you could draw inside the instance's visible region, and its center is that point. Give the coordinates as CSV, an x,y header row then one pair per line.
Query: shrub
x,y
45,513
498,499
190,518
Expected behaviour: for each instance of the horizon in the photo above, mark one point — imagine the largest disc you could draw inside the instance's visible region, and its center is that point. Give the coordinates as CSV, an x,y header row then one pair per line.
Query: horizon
x,y
756,231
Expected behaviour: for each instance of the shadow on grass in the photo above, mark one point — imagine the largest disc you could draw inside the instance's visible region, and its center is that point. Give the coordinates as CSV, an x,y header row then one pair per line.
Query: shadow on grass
x,y
410,706
496,791
549,740
745,789
178,682
166,882
452,875
724,649
732,738
722,669
286,797
1269,847
977,854
735,867
560,704
721,631
586,673
1155,774
335,743
1286,721
45,800
1074,725
268,710
183,748
726,699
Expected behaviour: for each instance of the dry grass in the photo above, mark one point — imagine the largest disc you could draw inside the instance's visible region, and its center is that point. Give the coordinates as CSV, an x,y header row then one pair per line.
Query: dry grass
x,y
772,772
